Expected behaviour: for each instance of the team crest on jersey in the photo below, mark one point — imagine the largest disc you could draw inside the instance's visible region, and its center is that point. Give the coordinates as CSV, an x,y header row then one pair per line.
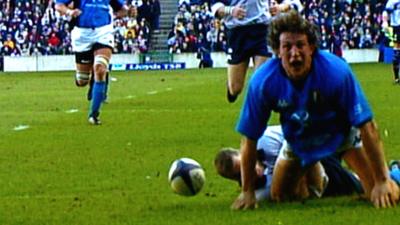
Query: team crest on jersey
x,y
282,103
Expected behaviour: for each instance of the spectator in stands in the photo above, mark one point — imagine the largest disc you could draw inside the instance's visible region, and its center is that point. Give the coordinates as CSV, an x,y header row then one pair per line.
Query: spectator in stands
x,y
54,42
155,14
204,55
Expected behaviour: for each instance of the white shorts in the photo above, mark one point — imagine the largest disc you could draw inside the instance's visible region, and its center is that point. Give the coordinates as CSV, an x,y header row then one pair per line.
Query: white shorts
x,y
84,38
353,140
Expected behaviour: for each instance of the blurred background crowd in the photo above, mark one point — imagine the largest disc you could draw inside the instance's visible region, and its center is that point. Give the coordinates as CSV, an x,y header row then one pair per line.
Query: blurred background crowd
x,y
33,27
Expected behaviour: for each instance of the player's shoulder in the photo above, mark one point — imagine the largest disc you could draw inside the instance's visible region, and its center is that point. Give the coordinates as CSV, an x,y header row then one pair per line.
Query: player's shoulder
x,y
330,64
267,71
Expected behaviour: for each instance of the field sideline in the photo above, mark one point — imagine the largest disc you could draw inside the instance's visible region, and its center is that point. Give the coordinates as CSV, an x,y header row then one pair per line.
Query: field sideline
x,y
57,169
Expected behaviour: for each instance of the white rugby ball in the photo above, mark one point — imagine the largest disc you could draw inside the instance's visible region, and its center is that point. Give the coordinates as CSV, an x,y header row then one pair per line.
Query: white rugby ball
x,y
186,177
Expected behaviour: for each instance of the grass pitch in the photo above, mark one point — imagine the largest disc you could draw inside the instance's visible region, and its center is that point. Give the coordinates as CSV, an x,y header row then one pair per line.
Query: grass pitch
x,y
57,169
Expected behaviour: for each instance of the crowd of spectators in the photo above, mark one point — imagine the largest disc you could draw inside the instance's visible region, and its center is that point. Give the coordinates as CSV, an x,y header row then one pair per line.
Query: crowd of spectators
x,y
195,27
344,24
34,27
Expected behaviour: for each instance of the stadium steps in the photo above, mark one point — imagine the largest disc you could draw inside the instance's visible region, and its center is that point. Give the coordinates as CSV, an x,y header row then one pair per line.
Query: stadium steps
x,y
169,9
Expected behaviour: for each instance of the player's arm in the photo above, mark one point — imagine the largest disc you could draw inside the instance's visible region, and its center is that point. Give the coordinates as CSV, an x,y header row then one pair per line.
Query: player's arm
x,y
385,19
122,10
247,199
63,9
285,6
221,10
385,193
389,7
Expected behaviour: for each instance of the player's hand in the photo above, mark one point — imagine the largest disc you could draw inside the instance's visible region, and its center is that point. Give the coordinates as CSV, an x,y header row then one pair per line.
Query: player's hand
x,y
385,194
246,200
74,13
275,9
239,12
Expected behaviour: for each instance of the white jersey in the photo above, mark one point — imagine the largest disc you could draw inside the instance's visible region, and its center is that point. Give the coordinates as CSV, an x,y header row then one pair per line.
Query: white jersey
x,y
257,12
393,8
268,147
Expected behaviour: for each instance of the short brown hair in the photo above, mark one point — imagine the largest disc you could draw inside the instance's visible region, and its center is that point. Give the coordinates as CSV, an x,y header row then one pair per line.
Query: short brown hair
x,y
291,22
223,161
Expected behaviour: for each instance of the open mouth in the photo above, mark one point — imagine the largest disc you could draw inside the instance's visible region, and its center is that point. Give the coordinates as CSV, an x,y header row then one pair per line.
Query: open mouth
x,y
296,64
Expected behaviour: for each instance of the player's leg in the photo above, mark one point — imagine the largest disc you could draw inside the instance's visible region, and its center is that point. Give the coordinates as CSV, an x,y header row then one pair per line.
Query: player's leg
x,y
259,60
396,54
396,64
238,60
236,78
107,87
357,160
317,179
84,65
102,57
341,180
288,181
288,177
90,90
394,170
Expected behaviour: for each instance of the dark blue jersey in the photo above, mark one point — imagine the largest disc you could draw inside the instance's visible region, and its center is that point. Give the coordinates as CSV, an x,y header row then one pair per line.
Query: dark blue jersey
x,y
316,114
95,13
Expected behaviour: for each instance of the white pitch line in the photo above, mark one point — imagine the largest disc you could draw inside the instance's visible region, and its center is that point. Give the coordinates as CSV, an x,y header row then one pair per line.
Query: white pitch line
x,y
21,127
152,92
71,111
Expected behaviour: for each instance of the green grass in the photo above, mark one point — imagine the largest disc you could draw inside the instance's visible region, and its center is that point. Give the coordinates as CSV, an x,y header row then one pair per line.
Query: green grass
x,y
63,171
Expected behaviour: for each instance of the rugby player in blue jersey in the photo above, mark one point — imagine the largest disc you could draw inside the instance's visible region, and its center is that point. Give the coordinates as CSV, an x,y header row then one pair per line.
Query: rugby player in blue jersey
x,y
247,23
92,41
327,178
322,111
392,14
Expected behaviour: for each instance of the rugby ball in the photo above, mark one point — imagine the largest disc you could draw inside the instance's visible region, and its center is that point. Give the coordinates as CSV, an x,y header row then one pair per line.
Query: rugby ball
x,y
186,177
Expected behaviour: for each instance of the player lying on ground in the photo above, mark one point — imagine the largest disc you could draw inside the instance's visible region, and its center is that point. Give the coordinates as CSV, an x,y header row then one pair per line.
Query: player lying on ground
x,y
335,179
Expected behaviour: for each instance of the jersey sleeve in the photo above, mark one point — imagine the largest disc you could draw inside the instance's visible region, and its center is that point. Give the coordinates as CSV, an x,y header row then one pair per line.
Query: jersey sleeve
x,y
353,100
66,2
215,5
389,6
255,111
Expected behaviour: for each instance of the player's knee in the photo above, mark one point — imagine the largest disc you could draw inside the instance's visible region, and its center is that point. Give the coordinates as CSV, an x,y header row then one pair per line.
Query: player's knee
x,y
101,64
277,195
82,78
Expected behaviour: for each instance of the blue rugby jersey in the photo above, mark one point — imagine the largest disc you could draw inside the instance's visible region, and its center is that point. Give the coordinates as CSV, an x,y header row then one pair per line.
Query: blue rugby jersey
x,y
95,13
315,118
